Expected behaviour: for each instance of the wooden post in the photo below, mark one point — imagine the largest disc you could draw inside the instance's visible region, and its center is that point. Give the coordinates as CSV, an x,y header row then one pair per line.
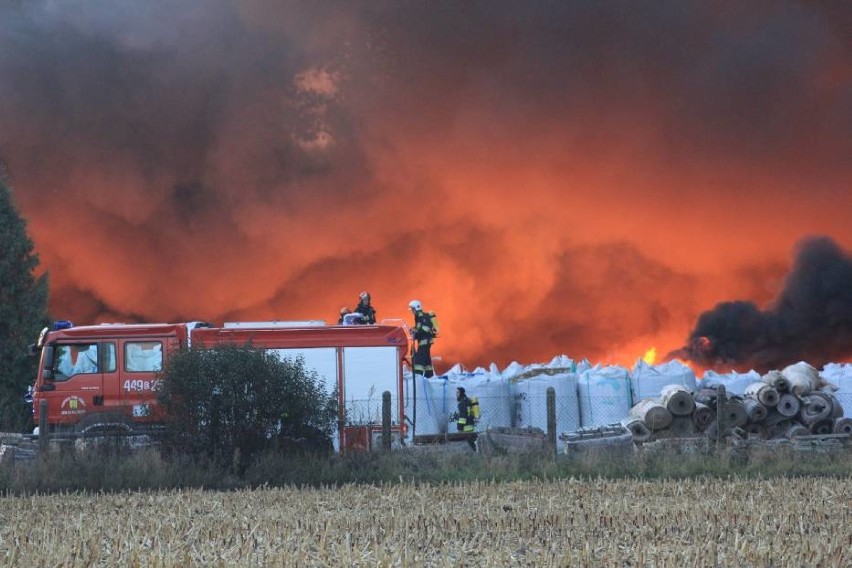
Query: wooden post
x,y
386,421
721,401
551,418
43,434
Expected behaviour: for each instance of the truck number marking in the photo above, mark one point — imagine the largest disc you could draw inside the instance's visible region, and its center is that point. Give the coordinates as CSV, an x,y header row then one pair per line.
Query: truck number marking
x,y
139,385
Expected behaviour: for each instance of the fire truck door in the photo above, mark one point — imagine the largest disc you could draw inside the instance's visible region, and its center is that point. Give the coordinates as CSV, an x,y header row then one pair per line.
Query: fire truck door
x,y
141,363
77,382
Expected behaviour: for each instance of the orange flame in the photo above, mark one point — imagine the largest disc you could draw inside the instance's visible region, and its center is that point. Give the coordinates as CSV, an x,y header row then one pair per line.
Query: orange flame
x,y
650,356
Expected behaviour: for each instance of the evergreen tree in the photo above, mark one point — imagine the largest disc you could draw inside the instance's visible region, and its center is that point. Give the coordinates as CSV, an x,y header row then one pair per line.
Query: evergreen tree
x,y
23,313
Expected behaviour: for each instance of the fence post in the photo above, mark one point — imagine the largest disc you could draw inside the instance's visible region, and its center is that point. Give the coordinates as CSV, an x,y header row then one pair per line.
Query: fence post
x,y
721,401
43,434
386,421
551,418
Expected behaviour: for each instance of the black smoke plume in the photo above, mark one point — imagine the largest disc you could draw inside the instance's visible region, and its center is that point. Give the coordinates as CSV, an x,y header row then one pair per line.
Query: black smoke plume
x,y
810,320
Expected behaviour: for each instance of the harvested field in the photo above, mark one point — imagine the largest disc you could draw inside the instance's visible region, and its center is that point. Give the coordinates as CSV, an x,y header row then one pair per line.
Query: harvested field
x,y
700,522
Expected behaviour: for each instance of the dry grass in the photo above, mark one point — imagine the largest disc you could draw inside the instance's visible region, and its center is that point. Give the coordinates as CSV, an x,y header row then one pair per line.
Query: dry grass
x,y
698,522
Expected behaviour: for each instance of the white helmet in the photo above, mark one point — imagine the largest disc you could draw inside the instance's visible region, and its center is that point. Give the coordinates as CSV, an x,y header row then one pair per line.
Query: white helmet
x,y
364,296
415,305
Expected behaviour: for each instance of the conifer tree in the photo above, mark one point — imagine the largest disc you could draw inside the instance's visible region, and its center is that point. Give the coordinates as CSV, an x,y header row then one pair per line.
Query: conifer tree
x,y
23,312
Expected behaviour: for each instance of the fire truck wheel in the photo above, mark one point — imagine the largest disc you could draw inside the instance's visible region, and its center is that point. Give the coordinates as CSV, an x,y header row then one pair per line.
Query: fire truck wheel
x,y
105,424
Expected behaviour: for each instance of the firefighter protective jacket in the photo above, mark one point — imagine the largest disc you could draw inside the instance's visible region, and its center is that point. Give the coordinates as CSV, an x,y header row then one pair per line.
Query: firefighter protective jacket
x,y
423,333
465,421
368,312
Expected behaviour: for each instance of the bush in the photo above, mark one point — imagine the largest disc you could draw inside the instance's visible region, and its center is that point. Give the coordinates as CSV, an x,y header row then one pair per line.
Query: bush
x,y
230,403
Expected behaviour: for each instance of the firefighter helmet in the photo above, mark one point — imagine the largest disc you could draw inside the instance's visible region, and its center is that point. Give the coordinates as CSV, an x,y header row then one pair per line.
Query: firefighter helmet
x,y
364,296
415,305
344,310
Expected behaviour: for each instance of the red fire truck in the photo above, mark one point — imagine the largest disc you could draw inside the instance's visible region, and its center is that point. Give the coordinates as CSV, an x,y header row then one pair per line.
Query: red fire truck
x,y
89,375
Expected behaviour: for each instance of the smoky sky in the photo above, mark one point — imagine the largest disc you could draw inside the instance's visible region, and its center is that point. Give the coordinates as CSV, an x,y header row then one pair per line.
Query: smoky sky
x,y
811,319
583,178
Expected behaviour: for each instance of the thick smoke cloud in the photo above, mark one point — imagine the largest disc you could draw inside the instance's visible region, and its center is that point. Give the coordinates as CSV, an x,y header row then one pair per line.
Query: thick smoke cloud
x,y
581,178
810,320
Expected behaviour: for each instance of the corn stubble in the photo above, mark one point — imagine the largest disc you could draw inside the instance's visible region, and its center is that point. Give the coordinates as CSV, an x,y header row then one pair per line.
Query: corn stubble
x,y
699,522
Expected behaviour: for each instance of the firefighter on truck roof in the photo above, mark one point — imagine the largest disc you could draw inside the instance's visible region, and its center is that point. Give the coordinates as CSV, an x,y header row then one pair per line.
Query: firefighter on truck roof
x,y
344,311
423,333
367,311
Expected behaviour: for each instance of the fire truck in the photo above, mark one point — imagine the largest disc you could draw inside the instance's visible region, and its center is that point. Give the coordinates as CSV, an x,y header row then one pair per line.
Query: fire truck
x,y
95,375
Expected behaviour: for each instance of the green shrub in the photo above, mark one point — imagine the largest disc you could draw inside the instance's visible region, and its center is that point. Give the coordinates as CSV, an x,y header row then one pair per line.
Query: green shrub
x,y
230,403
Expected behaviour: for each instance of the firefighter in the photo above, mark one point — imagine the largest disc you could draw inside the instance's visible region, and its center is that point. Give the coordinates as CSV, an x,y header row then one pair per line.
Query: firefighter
x,y
368,312
423,335
344,311
464,417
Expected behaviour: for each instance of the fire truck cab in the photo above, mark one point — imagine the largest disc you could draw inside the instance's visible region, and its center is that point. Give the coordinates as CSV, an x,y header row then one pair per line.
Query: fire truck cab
x,y
110,373
87,373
